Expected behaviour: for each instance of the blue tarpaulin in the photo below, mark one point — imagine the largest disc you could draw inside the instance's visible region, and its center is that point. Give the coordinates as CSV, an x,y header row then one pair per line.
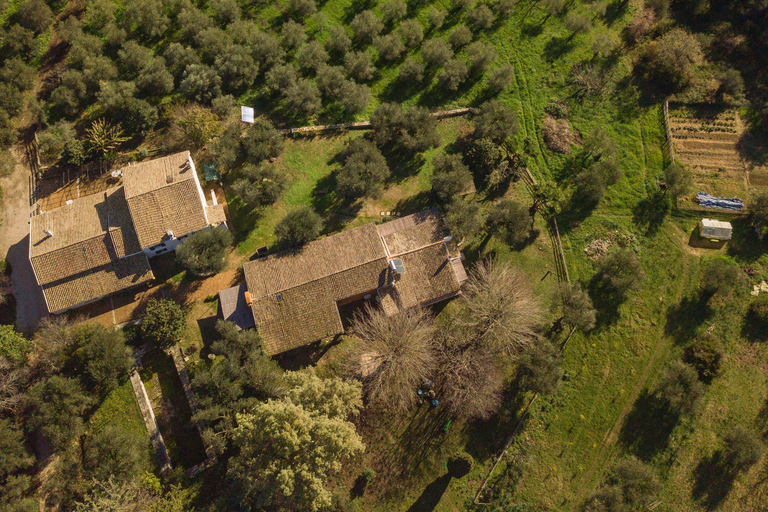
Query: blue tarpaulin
x,y
707,201
210,172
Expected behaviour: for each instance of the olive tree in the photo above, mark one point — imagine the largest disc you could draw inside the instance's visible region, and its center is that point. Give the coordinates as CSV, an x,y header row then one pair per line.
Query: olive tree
x,y
511,221
450,177
496,121
366,26
299,226
164,323
365,170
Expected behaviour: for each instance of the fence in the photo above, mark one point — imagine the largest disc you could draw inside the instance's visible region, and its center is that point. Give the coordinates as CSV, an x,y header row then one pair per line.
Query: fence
x,y
669,151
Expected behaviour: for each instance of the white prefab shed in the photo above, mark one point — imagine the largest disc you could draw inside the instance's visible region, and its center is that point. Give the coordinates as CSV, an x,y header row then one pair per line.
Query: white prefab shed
x,y
715,229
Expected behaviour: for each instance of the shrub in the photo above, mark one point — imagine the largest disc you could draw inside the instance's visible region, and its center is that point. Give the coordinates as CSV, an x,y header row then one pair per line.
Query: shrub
x,y
463,218
366,26
450,177
501,78
359,66
641,25
51,141
203,253
757,315
436,52
365,170
411,72
259,185
338,42
481,17
706,355
454,74
590,188
460,36
164,323
411,32
758,211
721,278
540,368
495,121
460,464
435,17
390,47
199,125
511,221
620,271
393,10
299,226
637,481
261,141
680,388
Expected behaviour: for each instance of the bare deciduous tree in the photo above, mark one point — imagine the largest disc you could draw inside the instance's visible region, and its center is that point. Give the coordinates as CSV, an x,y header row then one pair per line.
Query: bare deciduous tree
x,y
393,355
12,382
500,307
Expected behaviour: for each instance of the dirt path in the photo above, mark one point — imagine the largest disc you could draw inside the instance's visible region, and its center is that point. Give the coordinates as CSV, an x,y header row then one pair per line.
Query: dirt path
x,y
14,245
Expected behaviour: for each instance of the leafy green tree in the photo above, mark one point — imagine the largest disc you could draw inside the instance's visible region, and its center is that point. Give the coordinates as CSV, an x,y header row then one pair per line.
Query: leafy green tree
x,y
390,47
103,138
435,17
540,368
164,323
680,388
454,74
192,21
237,68
620,271
311,56
200,83
481,17
511,221
436,52
146,17
114,453
204,252
578,310
637,482
299,226
450,177
483,157
742,449
226,149
16,74
365,170
338,42
393,10
113,495
303,99
199,125
495,121
266,50
678,179
359,66
409,131
354,97
56,406
479,57
547,198
178,57
226,11
272,441
722,278
34,15
330,80
366,26
504,8
13,345
259,185
463,218
460,36
411,72
262,141
14,462
670,62
590,188
578,23
100,355
706,355
293,35
300,9
411,32
282,77
758,211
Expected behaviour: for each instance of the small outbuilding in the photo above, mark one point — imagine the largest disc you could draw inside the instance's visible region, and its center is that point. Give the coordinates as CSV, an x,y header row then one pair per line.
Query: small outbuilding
x,y
715,229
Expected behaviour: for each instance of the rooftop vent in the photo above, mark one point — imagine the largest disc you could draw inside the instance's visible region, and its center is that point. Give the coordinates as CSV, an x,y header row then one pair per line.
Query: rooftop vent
x,y
279,297
170,234
169,177
48,232
248,298
397,266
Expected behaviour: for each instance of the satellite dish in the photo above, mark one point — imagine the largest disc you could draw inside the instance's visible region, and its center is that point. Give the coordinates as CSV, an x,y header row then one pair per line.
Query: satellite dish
x,y
246,114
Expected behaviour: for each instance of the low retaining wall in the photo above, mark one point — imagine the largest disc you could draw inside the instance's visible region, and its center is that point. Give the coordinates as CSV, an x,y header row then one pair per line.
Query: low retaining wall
x,y
151,423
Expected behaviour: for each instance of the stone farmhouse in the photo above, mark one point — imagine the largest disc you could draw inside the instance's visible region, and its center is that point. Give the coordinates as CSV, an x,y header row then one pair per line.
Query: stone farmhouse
x,y
299,296
100,244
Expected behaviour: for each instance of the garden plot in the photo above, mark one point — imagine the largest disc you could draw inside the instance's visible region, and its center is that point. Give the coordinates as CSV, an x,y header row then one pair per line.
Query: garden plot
x,y
706,138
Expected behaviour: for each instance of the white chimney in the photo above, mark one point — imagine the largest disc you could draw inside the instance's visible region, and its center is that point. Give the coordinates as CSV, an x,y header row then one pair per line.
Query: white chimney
x,y
170,234
48,232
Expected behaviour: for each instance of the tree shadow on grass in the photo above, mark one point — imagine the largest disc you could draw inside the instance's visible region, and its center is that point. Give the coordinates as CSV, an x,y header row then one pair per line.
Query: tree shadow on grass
x,y
431,495
488,436
648,427
415,203
615,11
685,318
753,328
402,165
606,300
650,212
712,481
557,47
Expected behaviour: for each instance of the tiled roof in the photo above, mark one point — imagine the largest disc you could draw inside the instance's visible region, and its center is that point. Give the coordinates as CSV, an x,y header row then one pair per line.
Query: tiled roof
x,y
234,307
174,207
215,214
295,293
113,276
151,175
